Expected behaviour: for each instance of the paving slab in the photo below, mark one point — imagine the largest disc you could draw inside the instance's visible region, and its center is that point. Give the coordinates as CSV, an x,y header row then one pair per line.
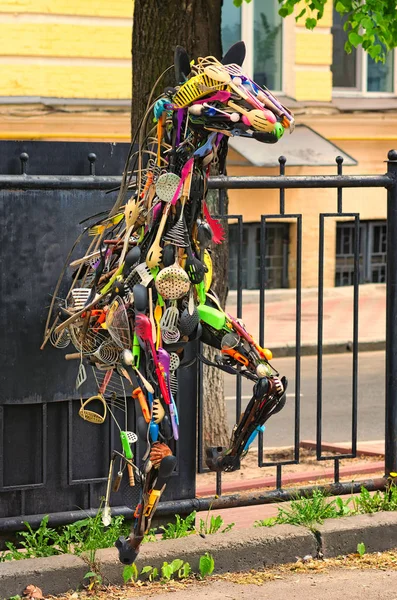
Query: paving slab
x,y
338,584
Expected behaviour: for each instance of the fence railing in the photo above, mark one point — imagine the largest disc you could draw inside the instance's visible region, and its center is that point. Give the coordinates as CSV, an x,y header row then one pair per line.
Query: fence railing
x,y
51,400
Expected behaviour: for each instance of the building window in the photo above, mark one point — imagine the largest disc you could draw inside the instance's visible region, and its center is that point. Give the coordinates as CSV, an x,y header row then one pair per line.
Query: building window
x,y
372,253
260,26
358,72
276,256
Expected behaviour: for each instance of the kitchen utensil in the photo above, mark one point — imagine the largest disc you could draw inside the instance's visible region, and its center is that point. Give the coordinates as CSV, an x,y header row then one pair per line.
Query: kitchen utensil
x,y
194,267
153,257
131,214
172,282
128,359
140,274
261,120
117,323
60,340
168,255
144,331
158,411
170,318
188,322
81,376
230,340
79,297
217,72
127,438
158,311
164,360
178,234
106,513
218,233
196,87
158,452
213,317
141,298
151,318
208,274
90,415
167,186
131,259
137,394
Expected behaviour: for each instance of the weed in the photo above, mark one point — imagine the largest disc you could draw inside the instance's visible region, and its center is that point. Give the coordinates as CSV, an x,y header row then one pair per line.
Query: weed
x,y
95,579
150,536
130,573
206,565
213,524
87,535
361,549
308,511
177,568
181,527
266,522
367,503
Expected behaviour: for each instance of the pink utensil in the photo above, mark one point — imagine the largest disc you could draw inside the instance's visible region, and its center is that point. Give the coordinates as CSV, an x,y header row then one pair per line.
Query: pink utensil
x,y
218,232
143,329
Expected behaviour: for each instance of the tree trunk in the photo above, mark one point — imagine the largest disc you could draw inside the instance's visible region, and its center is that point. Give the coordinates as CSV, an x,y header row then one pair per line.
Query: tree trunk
x,y
159,26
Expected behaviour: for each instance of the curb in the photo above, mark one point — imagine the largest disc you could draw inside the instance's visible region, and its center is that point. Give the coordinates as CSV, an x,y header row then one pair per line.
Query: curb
x,y
252,548
329,348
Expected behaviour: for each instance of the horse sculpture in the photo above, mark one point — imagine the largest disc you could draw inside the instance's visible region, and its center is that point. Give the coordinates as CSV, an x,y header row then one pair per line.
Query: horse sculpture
x,y
142,290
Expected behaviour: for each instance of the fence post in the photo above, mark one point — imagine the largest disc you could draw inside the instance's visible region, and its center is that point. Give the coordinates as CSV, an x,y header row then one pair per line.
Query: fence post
x,y
391,320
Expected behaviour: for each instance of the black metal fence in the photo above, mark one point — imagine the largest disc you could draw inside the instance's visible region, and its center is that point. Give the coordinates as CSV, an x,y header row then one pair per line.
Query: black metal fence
x,y
50,462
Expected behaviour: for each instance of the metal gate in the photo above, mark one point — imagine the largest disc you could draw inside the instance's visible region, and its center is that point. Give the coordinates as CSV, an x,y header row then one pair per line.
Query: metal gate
x,y
50,462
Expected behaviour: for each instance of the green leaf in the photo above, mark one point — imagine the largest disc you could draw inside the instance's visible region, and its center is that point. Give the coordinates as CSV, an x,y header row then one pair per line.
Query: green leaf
x,y
283,12
130,573
176,565
340,8
310,23
185,571
361,548
302,12
90,574
146,569
166,571
355,39
154,574
237,3
206,564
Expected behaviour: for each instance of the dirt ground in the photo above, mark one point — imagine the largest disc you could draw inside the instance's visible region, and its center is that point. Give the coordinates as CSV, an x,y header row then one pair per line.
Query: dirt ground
x,y
308,463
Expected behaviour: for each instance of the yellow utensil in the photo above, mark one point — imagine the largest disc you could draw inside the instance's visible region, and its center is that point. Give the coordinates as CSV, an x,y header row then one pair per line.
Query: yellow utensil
x,y
158,312
255,117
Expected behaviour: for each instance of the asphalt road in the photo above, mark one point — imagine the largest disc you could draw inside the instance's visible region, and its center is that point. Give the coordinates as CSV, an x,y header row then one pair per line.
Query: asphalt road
x,y
337,399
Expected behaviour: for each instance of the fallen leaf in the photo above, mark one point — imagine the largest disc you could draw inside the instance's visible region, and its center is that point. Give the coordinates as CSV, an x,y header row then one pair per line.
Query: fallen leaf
x,y
33,592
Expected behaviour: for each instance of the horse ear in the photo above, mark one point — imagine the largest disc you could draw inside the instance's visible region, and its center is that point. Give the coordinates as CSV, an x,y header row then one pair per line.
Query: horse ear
x,y
235,55
182,64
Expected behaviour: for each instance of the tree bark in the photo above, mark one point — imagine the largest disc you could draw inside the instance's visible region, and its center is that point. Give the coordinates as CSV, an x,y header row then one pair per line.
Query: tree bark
x,y
159,26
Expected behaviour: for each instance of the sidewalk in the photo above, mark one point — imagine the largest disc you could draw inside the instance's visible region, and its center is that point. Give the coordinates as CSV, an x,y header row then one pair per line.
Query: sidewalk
x,y
280,318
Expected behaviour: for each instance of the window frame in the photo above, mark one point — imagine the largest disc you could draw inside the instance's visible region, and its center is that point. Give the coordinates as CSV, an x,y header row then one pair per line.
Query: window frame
x,y
362,79
247,34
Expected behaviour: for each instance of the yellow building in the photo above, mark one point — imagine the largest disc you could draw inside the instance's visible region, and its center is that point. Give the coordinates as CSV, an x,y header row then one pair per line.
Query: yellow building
x,y
65,73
